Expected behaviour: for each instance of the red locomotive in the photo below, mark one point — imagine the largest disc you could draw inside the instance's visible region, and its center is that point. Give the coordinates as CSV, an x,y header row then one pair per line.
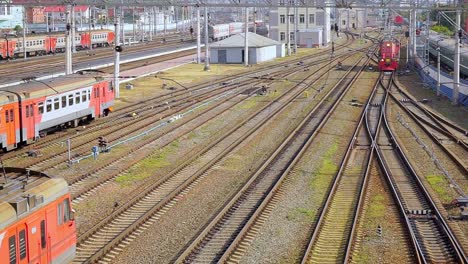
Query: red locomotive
x,y
36,219
389,55
31,110
41,44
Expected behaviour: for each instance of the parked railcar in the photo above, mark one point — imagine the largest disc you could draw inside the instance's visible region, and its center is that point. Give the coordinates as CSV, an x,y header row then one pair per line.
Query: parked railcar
x,y
36,218
218,32
31,110
389,55
42,44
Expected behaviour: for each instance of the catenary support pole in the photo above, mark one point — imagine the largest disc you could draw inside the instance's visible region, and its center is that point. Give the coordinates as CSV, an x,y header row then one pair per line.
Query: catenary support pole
x,y
24,34
246,39
456,58
198,37
207,44
296,24
73,31
288,33
117,58
68,53
438,69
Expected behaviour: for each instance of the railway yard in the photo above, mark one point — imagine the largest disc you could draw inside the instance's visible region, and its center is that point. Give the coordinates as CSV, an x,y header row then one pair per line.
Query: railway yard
x,y
294,160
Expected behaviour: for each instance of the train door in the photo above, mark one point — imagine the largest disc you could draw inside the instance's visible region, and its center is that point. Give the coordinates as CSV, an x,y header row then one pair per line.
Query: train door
x,y
50,44
9,121
29,122
37,240
97,99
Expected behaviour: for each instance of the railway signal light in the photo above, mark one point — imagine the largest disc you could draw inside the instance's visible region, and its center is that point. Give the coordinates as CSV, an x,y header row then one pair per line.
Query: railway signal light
x,y
118,48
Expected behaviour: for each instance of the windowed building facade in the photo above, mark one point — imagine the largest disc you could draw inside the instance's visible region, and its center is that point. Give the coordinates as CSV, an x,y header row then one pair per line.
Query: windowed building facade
x,y
307,18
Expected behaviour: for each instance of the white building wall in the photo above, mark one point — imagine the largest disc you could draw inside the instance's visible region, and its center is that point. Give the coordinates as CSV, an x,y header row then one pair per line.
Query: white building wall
x,y
256,55
265,54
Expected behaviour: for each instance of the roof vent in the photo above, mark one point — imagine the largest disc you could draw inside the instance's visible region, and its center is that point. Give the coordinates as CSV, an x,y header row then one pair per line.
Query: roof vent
x,y
20,205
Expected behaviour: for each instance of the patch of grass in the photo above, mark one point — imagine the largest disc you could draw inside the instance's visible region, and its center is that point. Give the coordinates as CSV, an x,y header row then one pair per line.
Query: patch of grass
x,y
439,184
248,104
377,207
327,169
148,166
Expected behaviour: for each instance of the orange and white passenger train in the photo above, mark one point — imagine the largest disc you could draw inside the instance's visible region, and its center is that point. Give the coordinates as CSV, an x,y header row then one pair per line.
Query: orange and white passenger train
x,y
31,110
36,219
42,44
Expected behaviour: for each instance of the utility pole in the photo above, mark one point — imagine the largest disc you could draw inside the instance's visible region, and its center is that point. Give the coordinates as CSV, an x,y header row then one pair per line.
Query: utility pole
x,y
133,24
207,44
456,57
198,37
117,58
246,40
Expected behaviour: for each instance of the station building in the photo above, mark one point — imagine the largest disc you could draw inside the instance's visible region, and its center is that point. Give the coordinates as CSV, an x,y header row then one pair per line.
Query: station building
x,y
231,50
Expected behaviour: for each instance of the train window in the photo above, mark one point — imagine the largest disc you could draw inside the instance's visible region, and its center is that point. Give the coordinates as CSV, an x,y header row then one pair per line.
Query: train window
x,y
56,104
97,92
89,94
77,98
27,111
41,108
31,110
66,212
43,236
12,249
64,101
70,99
59,214
11,115
83,96
22,244
7,116
49,105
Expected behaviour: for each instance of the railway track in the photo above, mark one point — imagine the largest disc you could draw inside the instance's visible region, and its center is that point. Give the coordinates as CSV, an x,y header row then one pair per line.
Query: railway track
x,y
433,240
222,235
452,139
332,236
89,177
54,64
175,100
189,173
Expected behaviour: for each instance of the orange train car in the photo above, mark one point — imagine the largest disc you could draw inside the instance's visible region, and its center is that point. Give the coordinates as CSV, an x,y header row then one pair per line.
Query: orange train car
x,y
42,44
389,55
36,219
29,111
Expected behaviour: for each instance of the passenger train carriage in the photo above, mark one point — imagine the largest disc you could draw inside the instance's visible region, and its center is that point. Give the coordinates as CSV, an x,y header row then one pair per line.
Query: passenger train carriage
x,y
51,43
389,55
36,219
31,110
